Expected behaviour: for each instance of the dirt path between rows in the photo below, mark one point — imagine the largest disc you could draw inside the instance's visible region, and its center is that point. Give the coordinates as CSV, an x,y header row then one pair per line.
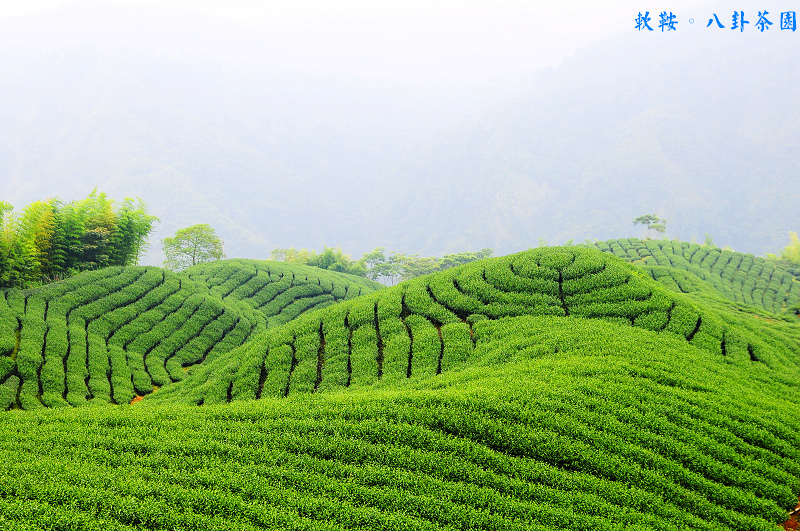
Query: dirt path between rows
x,y
792,523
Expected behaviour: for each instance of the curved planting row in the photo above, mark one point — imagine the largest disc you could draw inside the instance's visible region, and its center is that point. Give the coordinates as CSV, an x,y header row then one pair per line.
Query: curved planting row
x,y
117,333
564,423
614,437
277,290
581,402
743,278
427,325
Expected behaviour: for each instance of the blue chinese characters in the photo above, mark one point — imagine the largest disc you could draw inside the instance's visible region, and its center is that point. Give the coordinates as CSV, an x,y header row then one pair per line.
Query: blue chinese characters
x,y
668,21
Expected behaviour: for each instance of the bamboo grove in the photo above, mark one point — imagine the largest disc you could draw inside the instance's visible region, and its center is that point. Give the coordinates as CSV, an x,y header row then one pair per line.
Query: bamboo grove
x,y
50,240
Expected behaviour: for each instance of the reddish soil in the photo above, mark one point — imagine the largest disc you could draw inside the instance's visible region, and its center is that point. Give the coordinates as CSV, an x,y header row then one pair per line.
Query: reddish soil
x,y
792,524
136,399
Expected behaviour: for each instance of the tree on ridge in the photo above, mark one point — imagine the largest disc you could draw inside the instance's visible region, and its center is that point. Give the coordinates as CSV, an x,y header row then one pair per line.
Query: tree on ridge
x,y
191,246
652,222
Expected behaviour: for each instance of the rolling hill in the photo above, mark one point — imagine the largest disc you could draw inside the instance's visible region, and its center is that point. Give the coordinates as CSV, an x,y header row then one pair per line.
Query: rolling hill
x,y
558,388
428,325
112,334
743,278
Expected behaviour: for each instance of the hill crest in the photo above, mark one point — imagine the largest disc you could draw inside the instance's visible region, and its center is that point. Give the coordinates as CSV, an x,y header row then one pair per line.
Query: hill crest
x,y
428,325
116,333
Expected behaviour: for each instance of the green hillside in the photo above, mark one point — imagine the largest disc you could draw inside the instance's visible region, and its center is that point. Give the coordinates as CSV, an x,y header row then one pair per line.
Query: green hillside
x,y
278,291
428,325
559,388
743,278
112,334
569,424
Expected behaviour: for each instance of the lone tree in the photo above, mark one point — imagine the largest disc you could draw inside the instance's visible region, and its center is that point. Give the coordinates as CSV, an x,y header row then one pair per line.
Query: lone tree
x,y
652,222
191,246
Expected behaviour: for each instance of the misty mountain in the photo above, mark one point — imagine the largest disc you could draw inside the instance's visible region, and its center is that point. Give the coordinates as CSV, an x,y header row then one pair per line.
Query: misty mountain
x,y
269,157
699,127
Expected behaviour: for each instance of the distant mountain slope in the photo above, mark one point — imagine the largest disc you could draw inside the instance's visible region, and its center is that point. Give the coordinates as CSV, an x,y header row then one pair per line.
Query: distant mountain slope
x,y
112,334
432,324
699,126
743,278
207,130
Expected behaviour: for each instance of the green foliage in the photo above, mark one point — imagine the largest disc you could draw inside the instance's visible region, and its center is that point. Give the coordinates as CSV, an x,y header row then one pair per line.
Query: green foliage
x,y
395,267
790,255
330,259
710,271
453,260
191,246
133,225
383,267
427,325
378,265
109,335
555,423
278,292
335,260
49,240
559,388
652,222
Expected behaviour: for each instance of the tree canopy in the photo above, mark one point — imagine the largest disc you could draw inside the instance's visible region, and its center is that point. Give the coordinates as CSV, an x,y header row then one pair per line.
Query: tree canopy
x,y
652,222
395,267
332,259
191,246
791,253
378,264
48,240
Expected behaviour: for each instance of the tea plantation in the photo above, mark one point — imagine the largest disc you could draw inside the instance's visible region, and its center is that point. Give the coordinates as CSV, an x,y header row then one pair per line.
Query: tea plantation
x,y
112,334
740,277
559,388
428,325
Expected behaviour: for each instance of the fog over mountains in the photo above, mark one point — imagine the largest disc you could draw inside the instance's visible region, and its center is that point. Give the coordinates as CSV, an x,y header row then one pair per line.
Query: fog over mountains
x,y
700,127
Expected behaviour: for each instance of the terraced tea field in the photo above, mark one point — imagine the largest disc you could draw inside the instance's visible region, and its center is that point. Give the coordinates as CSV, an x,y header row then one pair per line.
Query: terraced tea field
x,y
427,325
556,389
743,278
113,334
278,291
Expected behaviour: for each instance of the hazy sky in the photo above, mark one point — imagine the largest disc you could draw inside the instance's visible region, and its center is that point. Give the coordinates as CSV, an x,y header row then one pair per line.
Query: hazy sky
x,y
179,74
250,12
410,39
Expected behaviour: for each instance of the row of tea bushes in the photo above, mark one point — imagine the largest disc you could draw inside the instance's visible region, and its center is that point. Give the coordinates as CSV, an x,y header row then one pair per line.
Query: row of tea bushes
x,y
743,278
110,335
427,325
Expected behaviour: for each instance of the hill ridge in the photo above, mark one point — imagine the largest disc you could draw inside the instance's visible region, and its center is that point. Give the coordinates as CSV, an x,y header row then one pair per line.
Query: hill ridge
x,y
641,409
740,277
117,333
431,324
